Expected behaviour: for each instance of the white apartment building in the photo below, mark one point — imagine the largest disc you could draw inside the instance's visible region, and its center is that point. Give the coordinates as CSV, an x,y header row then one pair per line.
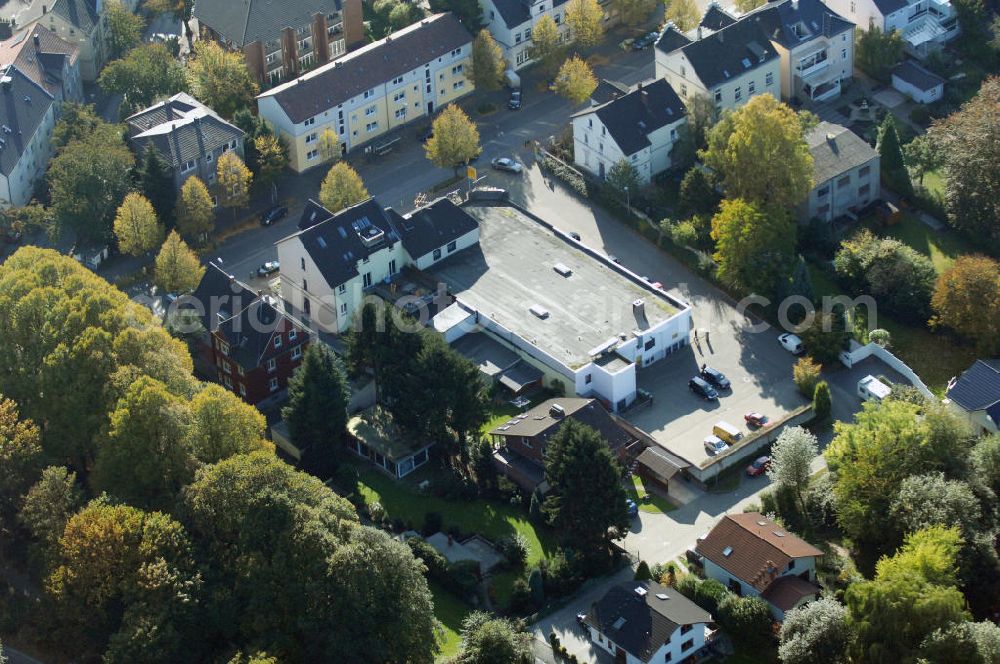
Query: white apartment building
x,y
511,22
925,25
846,171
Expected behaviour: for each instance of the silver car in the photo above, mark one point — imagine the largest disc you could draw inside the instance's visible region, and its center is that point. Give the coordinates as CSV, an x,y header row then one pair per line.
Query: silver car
x,y
506,164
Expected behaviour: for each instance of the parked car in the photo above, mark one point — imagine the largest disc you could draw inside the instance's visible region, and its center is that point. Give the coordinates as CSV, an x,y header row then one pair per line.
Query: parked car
x,y
268,268
791,342
633,509
426,134
514,103
274,214
694,557
715,377
506,164
715,445
755,419
581,619
645,41
759,466
700,387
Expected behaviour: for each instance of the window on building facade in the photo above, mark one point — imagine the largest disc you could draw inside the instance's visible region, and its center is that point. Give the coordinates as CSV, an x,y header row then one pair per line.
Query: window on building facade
x,y
224,348
738,93
718,96
769,78
367,280
863,173
292,334
458,85
397,80
457,69
343,308
277,341
843,182
368,94
437,254
371,126
863,190
297,352
312,154
310,122
751,88
452,246
342,288
370,111
400,113
273,384
272,365
227,381
243,390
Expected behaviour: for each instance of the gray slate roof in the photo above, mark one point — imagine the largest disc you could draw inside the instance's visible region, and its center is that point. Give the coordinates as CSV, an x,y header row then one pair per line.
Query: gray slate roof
x,y
219,296
181,129
632,117
516,12
887,7
606,91
641,623
243,22
729,52
836,149
716,18
23,106
917,76
780,19
671,39
374,64
541,424
432,226
42,62
978,387
81,14
250,331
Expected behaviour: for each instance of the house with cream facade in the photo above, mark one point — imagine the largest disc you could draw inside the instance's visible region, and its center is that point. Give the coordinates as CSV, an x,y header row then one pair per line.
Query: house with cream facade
x,y
791,49
82,23
925,25
511,23
371,91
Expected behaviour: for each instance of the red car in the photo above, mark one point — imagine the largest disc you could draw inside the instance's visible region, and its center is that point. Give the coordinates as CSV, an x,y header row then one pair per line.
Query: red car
x,y
759,466
755,419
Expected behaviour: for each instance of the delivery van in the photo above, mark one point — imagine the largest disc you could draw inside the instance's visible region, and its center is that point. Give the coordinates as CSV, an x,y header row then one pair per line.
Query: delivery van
x,y
727,432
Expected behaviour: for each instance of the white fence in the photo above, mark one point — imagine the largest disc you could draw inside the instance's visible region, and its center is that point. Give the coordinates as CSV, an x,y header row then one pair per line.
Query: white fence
x,y
857,353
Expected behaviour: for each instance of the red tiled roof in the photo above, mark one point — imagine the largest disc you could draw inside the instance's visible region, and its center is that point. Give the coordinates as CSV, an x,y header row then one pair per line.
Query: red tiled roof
x,y
788,591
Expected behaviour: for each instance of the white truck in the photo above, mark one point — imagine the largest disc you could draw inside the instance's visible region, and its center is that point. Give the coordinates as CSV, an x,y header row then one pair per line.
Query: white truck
x,y
871,388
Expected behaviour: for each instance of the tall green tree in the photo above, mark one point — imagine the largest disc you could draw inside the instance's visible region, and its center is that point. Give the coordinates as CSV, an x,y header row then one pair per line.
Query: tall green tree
x,y
177,268
967,299
145,74
157,183
575,80
697,193
318,395
77,121
791,457
969,142
683,13
136,227
546,48
48,506
877,52
341,188
816,633
490,640
123,28
587,497
221,425
20,463
922,156
894,173
623,180
220,78
488,63
272,157
754,246
585,19
455,141
469,12
195,214
760,153
233,180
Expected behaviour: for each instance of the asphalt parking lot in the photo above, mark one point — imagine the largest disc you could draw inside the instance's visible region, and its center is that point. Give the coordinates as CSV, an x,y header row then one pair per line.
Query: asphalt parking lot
x,y
759,369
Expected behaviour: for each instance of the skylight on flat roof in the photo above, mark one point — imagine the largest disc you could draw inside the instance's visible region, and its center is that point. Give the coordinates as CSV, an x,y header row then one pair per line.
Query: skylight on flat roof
x,y
727,551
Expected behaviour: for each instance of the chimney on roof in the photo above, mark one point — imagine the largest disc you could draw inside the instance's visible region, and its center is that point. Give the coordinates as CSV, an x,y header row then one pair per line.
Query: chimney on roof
x,y
699,32
45,10
37,40
6,82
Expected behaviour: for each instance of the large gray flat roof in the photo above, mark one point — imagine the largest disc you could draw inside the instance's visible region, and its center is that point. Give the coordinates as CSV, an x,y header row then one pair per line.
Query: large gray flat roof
x,y
513,271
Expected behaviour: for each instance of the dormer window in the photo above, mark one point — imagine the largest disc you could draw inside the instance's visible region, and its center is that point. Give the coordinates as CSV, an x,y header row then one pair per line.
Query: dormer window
x,y
277,341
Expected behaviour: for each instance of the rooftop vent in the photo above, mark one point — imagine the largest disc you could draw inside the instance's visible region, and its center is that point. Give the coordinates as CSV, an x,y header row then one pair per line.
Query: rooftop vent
x,y
640,591
762,523
618,623
728,551
555,410
562,269
539,311
746,63
370,235
725,72
662,596
779,533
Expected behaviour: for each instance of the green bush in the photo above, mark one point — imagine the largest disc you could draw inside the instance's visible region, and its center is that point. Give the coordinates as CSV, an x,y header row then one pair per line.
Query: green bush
x,y
514,549
706,593
521,602
537,586
567,175
747,619
562,574
463,577
433,521
437,565
822,402
642,571
683,233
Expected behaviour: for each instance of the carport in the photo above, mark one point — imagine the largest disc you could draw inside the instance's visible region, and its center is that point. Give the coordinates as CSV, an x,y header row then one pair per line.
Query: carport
x,y
659,466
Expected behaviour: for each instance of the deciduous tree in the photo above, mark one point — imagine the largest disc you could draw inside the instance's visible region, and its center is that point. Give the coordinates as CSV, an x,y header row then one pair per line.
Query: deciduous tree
x,y
760,152
146,73
754,246
745,6
587,497
221,425
683,13
177,269
123,28
791,456
922,156
220,78
575,80
233,181
806,373
318,395
469,12
20,462
697,193
546,48
487,639
623,180
488,63
341,188
272,157
877,52
967,299
48,505
822,402
136,227
195,214
585,19
816,633
455,141
329,144
633,13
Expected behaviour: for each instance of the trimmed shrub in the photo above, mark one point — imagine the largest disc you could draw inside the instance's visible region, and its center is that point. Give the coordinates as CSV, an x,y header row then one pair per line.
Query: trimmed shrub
x,y
642,571
514,549
537,586
822,402
433,521
806,374
747,619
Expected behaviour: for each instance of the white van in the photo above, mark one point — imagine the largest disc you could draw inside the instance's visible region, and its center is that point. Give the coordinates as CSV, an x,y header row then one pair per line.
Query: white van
x,y
871,388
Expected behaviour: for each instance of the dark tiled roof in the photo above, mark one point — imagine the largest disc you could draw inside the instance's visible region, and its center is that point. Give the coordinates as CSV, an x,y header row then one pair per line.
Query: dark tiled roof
x,y
516,12
729,52
671,39
42,62
792,23
788,591
432,226
641,622
335,244
920,78
758,548
836,149
631,118
181,129
887,7
243,22
23,105
250,331
218,296
490,356
376,63
716,18
978,387
606,91
541,424
81,14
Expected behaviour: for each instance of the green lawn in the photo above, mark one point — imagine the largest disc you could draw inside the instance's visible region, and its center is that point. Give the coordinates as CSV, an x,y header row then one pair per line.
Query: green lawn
x,y
768,655
942,247
647,502
934,181
450,611
498,415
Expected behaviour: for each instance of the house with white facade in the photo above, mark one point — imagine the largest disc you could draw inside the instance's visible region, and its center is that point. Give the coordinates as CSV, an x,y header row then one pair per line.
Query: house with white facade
x,y
511,23
640,127
372,90
925,25
640,622
846,172
27,117
755,557
581,320
975,395
47,59
334,261
789,48
918,83
82,23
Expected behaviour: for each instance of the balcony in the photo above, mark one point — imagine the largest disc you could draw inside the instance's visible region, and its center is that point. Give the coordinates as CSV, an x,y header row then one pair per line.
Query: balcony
x,y
816,67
